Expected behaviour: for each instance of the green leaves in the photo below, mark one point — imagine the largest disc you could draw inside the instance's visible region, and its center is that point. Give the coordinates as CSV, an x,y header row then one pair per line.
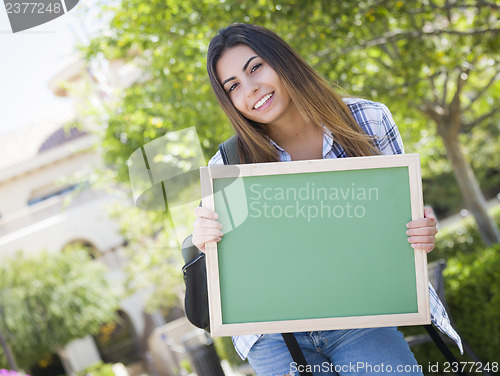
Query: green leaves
x,y
50,299
389,51
472,282
407,55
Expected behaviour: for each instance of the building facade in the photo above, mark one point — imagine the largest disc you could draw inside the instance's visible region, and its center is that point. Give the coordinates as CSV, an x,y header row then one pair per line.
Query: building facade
x,y
47,203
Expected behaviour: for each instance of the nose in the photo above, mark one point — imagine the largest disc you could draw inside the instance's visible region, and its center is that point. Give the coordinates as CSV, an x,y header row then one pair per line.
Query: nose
x,y
252,88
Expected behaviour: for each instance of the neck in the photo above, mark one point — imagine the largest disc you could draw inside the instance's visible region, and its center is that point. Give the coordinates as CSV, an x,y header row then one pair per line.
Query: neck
x,y
301,139
288,127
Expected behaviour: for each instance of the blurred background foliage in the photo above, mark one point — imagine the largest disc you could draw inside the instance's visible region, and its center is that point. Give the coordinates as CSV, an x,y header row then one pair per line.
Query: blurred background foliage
x,y
49,299
433,63
403,54
472,281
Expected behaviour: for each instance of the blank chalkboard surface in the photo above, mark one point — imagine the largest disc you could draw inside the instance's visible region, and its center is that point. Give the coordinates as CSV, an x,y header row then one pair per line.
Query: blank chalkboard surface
x,y
315,245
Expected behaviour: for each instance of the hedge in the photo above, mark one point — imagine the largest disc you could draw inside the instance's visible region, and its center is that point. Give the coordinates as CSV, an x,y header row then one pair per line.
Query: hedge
x,y
472,290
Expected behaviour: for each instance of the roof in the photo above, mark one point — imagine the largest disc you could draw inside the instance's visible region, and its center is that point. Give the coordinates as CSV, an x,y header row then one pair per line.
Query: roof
x,y
30,141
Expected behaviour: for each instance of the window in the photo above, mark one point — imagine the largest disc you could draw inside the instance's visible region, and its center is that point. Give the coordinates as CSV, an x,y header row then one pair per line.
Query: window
x,y
36,199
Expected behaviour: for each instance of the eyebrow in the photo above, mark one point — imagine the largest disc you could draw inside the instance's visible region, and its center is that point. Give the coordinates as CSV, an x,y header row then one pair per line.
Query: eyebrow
x,y
244,69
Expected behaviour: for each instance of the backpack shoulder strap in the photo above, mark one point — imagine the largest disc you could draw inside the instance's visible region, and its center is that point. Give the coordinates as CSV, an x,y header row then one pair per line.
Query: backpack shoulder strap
x,y
296,353
229,151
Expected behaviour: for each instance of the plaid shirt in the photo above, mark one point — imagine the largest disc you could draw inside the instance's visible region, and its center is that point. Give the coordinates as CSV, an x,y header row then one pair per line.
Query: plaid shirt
x,y
376,120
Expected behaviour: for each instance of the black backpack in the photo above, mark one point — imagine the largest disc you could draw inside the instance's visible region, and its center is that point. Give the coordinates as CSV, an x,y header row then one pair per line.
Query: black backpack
x,y
194,271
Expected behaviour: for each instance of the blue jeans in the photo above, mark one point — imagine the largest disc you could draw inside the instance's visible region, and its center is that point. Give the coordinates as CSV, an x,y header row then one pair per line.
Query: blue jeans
x,y
372,351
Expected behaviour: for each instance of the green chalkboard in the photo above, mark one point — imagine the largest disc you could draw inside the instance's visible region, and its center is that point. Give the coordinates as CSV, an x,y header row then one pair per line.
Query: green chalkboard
x,y
306,243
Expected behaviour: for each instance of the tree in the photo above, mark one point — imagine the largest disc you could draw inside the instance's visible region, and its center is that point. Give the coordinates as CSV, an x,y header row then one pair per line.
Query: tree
x,y
434,61
50,299
153,256
440,59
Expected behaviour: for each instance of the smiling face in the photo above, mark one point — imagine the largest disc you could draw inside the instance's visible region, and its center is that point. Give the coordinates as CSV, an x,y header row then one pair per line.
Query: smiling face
x,y
252,85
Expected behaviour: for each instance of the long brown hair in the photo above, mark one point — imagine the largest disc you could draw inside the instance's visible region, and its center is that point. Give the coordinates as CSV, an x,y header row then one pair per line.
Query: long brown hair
x,y
312,95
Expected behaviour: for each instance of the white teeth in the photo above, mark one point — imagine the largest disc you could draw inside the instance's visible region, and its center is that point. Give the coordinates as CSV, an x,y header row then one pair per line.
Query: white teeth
x,y
262,101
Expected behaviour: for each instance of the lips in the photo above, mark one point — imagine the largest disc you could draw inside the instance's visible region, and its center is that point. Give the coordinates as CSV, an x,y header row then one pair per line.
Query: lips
x,y
262,101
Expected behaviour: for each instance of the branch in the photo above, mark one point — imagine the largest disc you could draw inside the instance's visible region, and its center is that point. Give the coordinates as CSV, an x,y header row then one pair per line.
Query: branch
x,y
454,111
433,86
447,9
395,48
455,102
478,70
388,52
481,118
481,3
396,35
433,111
445,88
408,84
449,6
384,47
482,91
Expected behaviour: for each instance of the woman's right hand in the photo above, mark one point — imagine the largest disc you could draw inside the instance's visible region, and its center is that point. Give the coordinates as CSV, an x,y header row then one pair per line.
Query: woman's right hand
x,y
206,228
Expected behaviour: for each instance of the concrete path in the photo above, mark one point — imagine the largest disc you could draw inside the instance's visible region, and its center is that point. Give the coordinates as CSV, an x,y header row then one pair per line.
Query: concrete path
x,y
464,213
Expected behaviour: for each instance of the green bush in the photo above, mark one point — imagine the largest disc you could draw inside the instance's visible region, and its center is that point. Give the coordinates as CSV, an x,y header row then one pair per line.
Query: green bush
x,y
98,369
442,193
225,350
472,289
462,238
472,285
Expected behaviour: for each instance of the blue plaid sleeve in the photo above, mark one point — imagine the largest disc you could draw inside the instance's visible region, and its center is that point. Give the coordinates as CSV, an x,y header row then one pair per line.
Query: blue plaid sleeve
x,y
440,319
216,159
376,120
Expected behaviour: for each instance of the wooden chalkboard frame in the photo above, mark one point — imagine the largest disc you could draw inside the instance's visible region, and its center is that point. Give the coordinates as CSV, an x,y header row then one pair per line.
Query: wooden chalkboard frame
x,y
411,161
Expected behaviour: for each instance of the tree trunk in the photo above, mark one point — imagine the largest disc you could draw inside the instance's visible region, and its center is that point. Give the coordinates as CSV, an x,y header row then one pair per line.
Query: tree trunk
x,y
10,358
469,187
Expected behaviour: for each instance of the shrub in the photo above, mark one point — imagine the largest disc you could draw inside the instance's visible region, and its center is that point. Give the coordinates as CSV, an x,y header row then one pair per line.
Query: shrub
x,y
472,285
472,289
473,294
225,350
461,238
98,369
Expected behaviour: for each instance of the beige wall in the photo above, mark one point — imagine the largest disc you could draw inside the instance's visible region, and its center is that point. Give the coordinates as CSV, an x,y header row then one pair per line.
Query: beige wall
x,y
24,179
53,223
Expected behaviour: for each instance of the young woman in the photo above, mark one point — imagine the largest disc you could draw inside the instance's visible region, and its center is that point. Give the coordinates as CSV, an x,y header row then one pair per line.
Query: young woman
x,y
282,110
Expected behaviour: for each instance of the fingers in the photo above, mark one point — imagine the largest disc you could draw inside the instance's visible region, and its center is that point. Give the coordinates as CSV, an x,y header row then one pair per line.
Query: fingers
x,y
422,232
428,220
427,247
207,223
424,222
417,240
429,213
201,212
206,228
203,236
201,242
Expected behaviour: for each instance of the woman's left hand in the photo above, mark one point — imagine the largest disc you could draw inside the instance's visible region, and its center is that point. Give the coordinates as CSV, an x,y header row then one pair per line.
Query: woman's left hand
x,y
422,232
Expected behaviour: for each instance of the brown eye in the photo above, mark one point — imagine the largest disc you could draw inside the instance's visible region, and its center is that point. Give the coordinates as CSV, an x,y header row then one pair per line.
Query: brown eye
x,y
233,86
255,67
